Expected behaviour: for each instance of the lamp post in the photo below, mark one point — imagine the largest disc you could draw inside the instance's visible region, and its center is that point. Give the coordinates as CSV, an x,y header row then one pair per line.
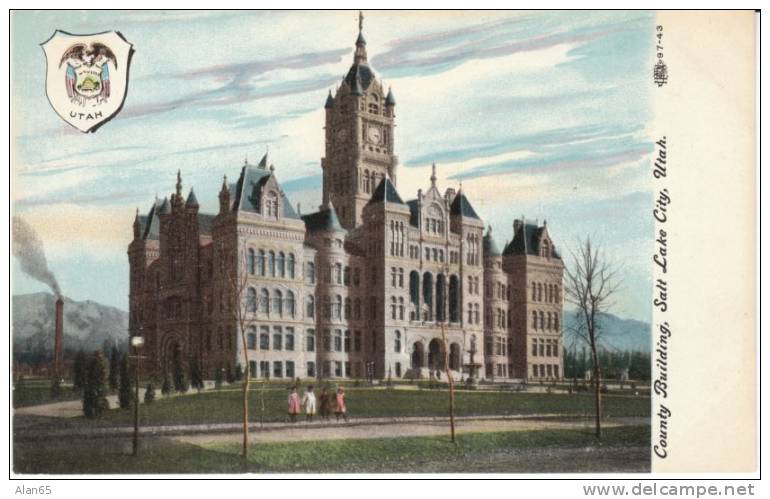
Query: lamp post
x,y
137,342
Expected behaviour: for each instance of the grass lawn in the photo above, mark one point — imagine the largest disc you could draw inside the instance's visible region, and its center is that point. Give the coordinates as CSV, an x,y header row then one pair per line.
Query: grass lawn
x,y
621,448
38,391
225,405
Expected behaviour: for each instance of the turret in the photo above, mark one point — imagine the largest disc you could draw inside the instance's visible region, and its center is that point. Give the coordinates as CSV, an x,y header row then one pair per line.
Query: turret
x,y
224,197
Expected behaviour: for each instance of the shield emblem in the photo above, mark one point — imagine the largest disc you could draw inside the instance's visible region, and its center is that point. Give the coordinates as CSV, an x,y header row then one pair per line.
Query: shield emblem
x,y
87,76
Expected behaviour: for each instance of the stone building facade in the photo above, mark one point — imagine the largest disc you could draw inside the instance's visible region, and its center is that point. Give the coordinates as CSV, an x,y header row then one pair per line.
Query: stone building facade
x,y
361,288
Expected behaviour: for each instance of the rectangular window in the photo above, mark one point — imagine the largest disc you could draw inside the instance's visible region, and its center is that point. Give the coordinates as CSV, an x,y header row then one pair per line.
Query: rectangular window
x,y
264,338
252,341
337,340
289,369
357,341
277,338
327,341
534,370
347,368
277,369
534,347
338,369
555,371
310,340
311,369
327,368
252,369
289,339
264,369
549,369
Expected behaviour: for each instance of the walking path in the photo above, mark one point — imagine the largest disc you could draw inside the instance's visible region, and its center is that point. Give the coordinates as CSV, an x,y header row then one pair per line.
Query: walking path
x,y
384,429
318,430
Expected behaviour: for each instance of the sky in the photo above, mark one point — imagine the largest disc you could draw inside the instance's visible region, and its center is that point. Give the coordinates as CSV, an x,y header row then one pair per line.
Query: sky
x,y
545,115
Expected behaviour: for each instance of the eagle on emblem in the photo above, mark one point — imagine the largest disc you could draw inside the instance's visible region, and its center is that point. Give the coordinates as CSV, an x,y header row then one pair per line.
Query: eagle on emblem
x,y
88,73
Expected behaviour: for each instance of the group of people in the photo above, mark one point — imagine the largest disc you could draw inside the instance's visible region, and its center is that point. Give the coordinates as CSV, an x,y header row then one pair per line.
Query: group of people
x,y
326,400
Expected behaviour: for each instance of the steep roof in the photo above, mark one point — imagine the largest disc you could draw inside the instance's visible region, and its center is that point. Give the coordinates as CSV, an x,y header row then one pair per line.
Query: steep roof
x,y
526,241
490,246
325,219
461,206
386,193
360,75
413,215
191,199
248,190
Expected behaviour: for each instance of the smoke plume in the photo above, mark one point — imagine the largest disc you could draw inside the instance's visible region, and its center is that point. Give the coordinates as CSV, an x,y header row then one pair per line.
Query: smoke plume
x,y
28,249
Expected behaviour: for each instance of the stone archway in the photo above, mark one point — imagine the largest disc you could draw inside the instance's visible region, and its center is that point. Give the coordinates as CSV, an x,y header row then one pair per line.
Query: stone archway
x,y
418,354
435,355
172,355
454,357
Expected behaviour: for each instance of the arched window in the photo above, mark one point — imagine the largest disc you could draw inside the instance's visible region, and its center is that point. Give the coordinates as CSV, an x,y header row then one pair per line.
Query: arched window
x,y
397,342
393,308
271,263
337,307
534,320
400,308
264,301
290,303
414,287
539,292
470,313
291,264
310,272
556,321
310,340
281,265
548,321
542,320
357,308
251,300
453,299
310,306
278,302
476,314
347,308
261,262
251,262
534,291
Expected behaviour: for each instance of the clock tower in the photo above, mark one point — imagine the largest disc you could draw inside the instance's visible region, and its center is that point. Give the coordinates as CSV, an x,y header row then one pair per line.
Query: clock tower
x,y
360,119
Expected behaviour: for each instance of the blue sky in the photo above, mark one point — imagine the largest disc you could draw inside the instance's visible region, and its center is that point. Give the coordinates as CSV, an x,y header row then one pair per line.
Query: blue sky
x,y
542,114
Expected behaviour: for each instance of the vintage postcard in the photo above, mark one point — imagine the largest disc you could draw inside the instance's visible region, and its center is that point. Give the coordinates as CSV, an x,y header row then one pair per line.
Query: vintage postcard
x,y
383,242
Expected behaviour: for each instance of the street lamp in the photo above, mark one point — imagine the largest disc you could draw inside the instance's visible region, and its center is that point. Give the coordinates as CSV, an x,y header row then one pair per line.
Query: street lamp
x,y
137,342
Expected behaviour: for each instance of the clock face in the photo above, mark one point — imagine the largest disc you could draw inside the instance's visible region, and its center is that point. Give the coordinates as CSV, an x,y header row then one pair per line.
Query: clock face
x,y
374,134
342,134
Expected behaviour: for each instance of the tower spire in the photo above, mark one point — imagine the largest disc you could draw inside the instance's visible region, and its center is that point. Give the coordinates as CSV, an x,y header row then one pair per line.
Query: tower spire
x,y
433,175
360,55
178,183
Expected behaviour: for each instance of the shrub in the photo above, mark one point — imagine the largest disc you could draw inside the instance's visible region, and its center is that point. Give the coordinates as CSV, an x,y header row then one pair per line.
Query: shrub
x,y
95,391
149,394
166,388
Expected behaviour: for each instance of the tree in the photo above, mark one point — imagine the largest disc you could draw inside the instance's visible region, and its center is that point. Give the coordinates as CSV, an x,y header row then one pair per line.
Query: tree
x,y
95,390
124,388
149,394
196,378
56,388
115,367
166,388
181,384
591,283
236,282
79,371
218,379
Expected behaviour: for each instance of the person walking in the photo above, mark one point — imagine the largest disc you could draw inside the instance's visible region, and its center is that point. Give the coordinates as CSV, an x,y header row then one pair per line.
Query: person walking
x,y
293,404
308,402
325,408
341,408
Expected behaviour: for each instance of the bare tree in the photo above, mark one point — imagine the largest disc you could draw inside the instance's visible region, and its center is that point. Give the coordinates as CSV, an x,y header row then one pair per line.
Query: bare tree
x,y
237,283
591,282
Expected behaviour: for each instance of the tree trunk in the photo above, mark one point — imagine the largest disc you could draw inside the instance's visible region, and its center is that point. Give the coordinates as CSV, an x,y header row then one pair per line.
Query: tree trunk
x,y
247,375
450,379
597,390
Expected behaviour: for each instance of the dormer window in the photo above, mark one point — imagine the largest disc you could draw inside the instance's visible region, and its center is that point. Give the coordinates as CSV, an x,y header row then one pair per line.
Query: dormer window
x,y
545,249
271,204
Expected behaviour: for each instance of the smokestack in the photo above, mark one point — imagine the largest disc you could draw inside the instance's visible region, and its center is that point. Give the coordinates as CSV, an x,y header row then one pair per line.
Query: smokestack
x,y
58,346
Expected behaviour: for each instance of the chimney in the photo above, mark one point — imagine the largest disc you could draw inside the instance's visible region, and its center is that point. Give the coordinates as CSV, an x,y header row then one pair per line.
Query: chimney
x,y
58,346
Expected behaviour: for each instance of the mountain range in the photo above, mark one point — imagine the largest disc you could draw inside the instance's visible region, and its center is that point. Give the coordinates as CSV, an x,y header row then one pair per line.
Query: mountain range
x,y
89,325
